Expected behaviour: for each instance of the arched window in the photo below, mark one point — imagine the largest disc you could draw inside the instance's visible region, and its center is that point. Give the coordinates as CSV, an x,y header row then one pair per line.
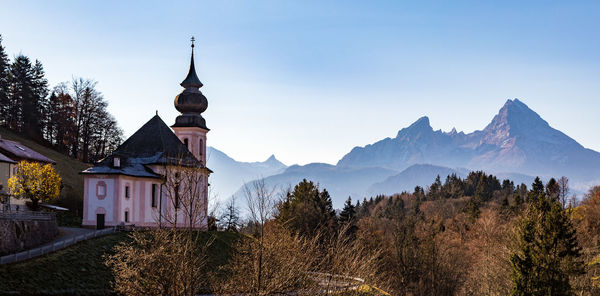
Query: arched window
x,y
101,190
185,142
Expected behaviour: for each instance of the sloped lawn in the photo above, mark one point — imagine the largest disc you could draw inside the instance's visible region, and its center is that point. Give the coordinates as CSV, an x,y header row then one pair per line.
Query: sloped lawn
x,y
80,269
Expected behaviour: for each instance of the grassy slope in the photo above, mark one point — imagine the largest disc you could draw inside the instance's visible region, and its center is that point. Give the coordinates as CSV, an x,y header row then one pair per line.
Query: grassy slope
x,y
67,167
80,269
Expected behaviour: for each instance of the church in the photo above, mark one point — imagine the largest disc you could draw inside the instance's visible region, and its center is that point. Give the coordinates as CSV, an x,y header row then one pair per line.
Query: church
x,y
157,177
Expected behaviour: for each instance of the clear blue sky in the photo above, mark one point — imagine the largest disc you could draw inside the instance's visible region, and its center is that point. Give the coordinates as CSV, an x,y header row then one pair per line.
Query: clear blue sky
x,y
308,81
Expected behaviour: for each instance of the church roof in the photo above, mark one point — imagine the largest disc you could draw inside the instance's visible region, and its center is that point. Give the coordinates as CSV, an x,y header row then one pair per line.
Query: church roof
x,y
153,143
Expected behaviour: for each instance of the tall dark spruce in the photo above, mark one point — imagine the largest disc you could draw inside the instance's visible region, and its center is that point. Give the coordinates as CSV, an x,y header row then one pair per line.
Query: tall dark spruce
x,y
548,252
4,84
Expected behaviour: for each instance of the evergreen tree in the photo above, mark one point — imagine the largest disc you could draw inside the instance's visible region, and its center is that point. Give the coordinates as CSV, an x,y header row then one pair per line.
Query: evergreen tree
x,y
537,188
230,218
21,100
39,103
4,85
40,90
348,212
348,218
307,210
435,188
548,252
553,189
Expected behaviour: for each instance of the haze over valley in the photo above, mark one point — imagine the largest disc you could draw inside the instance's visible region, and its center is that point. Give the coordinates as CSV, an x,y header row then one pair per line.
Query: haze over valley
x,y
517,144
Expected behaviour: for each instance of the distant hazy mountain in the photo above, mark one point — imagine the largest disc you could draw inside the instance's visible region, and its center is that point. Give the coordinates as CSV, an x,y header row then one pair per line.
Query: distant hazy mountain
x,y
230,174
340,182
517,145
517,140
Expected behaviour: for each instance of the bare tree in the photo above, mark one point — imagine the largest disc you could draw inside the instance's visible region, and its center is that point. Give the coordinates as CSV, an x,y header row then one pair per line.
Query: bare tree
x,y
283,260
489,245
344,262
563,191
261,204
92,123
187,197
161,262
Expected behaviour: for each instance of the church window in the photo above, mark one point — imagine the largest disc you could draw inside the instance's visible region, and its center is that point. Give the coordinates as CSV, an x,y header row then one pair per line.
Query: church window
x,y
101,190
127,191
154,193
127,216
185,142
117,162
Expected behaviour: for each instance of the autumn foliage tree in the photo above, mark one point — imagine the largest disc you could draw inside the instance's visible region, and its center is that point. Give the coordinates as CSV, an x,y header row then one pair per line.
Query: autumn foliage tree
x,y
36,182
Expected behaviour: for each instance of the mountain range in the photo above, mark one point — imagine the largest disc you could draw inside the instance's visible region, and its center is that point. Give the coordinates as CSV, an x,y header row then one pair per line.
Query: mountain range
x,y
230,174
517,144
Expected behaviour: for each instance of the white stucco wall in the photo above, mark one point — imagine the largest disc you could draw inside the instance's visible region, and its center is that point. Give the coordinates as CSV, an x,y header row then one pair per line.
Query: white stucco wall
x,y
93,202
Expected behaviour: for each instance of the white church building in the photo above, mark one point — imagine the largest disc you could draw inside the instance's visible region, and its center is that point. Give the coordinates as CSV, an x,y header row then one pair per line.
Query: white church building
x,y
132,186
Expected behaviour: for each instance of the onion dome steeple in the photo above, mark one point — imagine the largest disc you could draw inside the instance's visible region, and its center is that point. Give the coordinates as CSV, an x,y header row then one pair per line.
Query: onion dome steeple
x,y
191,102
192,79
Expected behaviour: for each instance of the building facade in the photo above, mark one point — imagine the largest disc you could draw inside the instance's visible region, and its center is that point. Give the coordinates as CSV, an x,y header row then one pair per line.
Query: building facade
x,y
11,153
157,177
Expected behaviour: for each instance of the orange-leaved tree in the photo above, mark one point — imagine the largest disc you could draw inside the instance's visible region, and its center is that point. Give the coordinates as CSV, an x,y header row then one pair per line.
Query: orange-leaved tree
x,y
36,182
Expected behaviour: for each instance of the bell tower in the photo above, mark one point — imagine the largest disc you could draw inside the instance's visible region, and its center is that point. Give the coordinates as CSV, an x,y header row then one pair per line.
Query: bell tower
x,y
190,126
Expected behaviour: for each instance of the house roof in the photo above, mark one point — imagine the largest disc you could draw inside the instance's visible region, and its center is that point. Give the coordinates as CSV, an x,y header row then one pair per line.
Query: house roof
x,y
153,144
4,158
17,151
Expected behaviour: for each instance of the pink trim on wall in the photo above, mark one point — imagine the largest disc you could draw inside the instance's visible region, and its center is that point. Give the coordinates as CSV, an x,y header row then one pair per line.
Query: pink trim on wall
x,y
98,185
142,214
116,201
86,193
133,198
100,210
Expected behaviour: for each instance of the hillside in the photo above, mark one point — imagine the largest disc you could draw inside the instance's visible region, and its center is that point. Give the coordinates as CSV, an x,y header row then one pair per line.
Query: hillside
x,y
80,269
68,169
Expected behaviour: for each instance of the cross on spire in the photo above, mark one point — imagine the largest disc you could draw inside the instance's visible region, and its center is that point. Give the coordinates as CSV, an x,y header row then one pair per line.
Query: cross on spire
x,y
192,79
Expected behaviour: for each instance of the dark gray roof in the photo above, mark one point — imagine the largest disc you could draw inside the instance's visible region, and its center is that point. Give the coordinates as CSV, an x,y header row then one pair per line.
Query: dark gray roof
x,y
153,143
17,152
4,158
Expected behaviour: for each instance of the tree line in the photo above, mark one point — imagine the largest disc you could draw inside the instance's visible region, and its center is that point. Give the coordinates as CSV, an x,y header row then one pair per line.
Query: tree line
x,y
465,236
471,236
71,117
